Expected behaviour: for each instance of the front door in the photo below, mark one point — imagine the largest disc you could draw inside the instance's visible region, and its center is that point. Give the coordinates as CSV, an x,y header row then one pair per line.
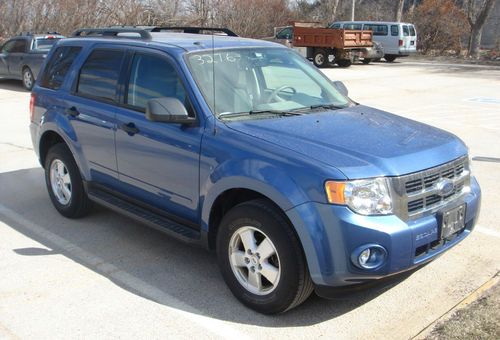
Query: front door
x,y
4,55
158,162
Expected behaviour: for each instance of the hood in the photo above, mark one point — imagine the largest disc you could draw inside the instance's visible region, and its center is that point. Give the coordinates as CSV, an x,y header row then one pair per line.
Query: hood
x,y
360,141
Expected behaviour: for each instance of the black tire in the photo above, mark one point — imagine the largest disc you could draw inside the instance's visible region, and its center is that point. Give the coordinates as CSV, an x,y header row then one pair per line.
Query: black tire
x,y
344,62
78,204
390,58
294,285
320,58
366,61
28,79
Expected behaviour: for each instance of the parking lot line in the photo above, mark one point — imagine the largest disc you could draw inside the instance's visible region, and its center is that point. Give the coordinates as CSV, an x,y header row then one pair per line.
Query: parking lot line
x,y
218,328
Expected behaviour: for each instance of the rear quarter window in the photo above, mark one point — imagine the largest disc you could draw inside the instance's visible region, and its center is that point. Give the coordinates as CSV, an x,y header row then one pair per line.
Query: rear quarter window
x,y
58,66
412,31
406,31
394,30
99,74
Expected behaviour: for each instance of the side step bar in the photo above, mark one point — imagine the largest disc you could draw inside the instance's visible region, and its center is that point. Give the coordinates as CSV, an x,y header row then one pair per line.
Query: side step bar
x,y
145,216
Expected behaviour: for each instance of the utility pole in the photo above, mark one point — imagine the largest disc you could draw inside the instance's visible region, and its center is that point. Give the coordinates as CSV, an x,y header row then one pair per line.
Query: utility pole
x,y
352,9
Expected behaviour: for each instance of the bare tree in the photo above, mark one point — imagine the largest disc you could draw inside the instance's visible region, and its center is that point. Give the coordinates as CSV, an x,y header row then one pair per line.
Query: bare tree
x,y
398,10
331,9
477,13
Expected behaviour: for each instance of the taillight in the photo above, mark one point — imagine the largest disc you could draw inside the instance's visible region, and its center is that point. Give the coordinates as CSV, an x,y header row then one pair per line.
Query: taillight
x,y
32,107
400,42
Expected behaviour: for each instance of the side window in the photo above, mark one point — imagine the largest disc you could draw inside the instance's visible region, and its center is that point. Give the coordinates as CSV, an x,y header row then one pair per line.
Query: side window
x,y
352,26
58,65
285,33
153,77
377,29
99,74
19,46
7,48
406,31
337,26
412,31
394,30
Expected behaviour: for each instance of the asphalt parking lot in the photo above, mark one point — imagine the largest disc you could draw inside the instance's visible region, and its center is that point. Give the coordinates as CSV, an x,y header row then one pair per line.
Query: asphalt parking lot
x,y
107,277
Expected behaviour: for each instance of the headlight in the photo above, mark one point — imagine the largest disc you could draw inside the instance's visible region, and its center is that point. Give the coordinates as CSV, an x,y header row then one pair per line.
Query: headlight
x,y
364,196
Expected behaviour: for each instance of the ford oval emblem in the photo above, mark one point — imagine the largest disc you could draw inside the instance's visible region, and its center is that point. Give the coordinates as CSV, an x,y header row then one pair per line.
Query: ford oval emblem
x,y
445,187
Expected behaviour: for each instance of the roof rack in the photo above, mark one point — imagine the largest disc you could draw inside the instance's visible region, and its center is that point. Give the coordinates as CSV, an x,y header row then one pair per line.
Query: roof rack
x,y
111,32
194,30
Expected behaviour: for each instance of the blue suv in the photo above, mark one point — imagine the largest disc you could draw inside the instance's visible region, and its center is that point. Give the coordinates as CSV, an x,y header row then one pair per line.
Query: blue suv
x,y
242,146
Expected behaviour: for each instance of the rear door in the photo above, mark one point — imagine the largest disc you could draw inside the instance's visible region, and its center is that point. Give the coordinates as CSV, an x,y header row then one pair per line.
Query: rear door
x,y
4,55
93,103
158,162
16,57
413,38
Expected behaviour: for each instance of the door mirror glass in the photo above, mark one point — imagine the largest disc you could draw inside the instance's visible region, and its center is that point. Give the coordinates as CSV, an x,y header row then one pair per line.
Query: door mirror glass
x,y
168,110
340,86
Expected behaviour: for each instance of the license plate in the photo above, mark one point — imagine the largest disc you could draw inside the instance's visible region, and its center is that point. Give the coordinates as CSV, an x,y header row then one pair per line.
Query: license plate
x,y
452,221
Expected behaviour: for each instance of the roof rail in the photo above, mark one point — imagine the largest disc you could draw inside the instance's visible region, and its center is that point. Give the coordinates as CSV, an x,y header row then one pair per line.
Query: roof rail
x,y
194,30
111,32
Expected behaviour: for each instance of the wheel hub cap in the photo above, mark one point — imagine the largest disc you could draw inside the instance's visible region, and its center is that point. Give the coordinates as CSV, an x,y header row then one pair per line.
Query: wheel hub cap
x,y
60,181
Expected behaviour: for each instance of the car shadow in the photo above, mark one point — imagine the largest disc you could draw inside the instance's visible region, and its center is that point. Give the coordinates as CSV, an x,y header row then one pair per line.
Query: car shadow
x,y
182,273
12,85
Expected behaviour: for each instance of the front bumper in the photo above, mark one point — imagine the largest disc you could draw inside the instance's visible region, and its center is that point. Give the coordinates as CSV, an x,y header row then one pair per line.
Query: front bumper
x,y
330,233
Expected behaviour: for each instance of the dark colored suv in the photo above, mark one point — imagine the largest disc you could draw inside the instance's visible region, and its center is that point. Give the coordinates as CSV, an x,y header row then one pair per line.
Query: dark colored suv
x,y
21,57
244,147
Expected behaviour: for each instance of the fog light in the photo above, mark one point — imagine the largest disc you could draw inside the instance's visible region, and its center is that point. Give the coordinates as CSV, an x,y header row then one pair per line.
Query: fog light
x,y
369,256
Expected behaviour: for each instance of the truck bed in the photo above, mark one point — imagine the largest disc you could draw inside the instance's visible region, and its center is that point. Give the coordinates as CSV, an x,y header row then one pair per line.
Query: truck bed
x,y
306,36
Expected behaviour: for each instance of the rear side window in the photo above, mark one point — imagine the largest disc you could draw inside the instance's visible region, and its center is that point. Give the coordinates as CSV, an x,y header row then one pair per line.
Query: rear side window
x,y
377,29
99,74
153,77
58,66
352,26
394,30
412,31
406,31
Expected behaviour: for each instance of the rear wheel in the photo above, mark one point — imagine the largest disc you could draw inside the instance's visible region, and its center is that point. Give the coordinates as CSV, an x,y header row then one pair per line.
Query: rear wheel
x,y
344,62
28,79
261,259
390,58
320,58
64,183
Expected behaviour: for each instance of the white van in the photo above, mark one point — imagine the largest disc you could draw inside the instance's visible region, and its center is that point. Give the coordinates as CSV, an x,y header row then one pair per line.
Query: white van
x,y
398,39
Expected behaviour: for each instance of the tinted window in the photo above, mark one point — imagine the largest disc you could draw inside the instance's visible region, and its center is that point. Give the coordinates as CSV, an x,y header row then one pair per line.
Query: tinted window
x,y
58,66
19,46
99,75
335,26
45,43
152,77
406,32
377,29
352,26
412,31
7,48
394,30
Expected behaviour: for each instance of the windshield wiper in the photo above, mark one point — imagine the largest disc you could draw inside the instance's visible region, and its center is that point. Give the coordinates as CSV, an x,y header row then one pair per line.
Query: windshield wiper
x,y
326,106
275,112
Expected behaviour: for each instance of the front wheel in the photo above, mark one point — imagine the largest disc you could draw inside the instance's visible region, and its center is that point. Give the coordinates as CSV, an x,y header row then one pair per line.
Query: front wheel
x,y
261,259
344,62
366,61
390,58
28,79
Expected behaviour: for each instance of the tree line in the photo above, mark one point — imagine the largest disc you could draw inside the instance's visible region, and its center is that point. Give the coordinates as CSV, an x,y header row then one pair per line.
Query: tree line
x,y
442,25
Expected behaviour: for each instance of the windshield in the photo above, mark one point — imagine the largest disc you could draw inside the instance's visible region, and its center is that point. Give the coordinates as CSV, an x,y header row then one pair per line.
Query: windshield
x,y
261,79
45,43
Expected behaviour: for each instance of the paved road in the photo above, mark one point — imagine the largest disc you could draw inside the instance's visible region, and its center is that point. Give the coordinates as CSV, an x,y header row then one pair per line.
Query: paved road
x,y
106,277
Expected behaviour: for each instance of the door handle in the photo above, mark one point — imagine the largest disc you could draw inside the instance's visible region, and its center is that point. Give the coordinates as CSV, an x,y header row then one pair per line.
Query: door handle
x,y
72,111
129,128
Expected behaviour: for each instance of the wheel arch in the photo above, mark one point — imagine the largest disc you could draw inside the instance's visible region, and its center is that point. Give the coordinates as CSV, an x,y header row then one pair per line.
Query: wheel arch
x,y
48,139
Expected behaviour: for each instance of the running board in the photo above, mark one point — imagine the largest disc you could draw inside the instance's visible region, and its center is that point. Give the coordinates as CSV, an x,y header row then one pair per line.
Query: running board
x,y
145,216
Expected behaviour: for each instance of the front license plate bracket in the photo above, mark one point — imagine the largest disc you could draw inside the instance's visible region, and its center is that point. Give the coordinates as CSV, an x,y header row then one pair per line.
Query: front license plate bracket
x,y
452,221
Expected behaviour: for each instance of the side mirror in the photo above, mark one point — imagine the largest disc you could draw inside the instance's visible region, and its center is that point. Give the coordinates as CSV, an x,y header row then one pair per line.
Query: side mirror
x,y
168,110
340,86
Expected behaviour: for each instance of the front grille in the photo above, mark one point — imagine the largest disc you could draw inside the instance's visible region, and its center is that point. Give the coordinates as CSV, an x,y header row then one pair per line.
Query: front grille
x,y
419,192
